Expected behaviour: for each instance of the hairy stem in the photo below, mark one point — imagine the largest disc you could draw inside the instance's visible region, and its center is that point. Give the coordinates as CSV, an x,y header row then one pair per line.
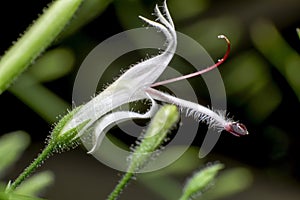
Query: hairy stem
x,y
121,185
33,166
38,37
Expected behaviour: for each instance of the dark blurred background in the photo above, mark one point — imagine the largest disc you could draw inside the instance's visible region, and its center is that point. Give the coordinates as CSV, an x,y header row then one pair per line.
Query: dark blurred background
x,y
261,78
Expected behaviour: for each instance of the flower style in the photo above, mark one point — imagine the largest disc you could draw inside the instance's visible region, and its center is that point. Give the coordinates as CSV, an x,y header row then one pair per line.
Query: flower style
x,y
138,83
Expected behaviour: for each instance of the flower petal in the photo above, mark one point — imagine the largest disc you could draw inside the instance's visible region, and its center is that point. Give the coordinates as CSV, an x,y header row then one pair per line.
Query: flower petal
x,y
104,102
168,16
146,72
162,19
108,121
131,85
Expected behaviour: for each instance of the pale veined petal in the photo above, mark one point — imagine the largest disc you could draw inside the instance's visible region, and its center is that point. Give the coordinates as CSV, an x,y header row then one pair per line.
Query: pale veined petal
x,y
110,120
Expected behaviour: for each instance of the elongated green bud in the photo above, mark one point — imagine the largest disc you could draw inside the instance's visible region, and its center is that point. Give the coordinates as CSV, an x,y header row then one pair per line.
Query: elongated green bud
x,y
155,135
200,181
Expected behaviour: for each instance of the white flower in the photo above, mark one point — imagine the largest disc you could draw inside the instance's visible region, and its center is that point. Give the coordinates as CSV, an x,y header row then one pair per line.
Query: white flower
x,y
136,84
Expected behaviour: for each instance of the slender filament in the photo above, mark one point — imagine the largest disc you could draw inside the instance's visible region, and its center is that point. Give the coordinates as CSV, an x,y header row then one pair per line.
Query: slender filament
x,y
220,61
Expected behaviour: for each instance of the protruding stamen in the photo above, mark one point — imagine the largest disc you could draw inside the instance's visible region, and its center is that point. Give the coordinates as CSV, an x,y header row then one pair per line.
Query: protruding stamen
x,y
220,61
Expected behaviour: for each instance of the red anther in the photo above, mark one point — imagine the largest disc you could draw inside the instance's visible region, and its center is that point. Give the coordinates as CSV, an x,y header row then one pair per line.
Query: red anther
x,y
237,129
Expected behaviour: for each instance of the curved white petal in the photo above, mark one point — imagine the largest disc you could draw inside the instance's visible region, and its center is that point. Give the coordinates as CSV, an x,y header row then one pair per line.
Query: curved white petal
x,y
146,72
159,26
166,21
167,13
106,101
108,121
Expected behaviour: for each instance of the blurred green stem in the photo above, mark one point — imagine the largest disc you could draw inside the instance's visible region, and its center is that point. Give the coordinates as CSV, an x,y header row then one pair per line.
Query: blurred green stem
x,y
58,141
200,181
38,37
47,104
32,167
121,185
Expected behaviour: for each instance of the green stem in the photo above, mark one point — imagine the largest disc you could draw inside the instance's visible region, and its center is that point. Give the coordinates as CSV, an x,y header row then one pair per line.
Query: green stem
x,y
121,185
38,37
40,99
184,197
33,166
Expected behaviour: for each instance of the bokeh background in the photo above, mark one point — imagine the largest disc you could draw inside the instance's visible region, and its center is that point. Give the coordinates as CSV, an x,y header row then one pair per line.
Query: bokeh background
x,y
261,78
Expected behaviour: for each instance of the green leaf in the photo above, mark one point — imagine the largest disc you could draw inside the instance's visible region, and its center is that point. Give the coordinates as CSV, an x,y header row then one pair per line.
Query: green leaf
x,y
12,146
272,45
53,64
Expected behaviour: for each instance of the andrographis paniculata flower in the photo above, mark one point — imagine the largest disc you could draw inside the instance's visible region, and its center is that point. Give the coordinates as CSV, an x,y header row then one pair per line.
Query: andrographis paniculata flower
x,y
139,83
